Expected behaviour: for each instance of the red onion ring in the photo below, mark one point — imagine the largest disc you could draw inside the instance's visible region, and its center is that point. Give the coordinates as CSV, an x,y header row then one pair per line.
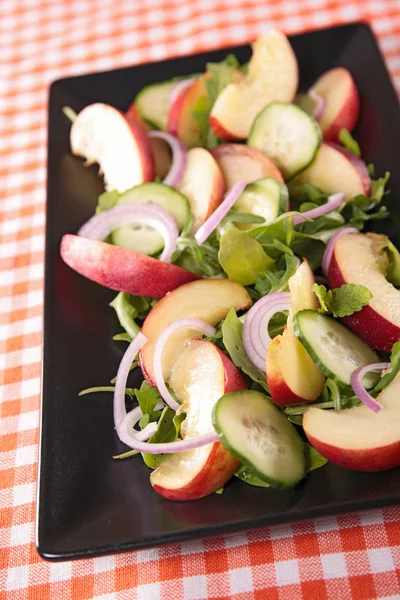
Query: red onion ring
x,y
178,165
320,104
334,201
188,323
330,247
357,385
123,370
255,336
178,88
100,226
219,213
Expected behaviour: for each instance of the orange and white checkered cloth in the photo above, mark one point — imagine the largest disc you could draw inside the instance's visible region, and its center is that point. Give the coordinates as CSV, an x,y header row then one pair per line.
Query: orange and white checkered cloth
x,y
355,556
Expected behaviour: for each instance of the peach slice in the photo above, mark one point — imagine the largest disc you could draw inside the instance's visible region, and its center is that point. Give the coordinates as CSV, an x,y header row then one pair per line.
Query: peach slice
x,y
340,93
361,259
207,299
357,438
103,135
242,163
272,75
203,185
201,375
292,375
122,270
336,170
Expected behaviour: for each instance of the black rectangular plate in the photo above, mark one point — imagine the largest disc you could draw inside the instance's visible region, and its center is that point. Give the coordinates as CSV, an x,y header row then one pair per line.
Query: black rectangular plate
x,y
88,503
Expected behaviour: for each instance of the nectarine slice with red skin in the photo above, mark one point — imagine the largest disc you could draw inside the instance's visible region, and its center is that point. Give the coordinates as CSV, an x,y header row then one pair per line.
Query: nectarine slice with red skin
x,y
243,163
357,438
207,299
104,135
360,259
337,87
202,374
120,269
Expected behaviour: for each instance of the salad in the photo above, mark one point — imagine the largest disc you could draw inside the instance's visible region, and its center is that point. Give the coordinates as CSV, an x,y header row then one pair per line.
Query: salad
x,y
260,315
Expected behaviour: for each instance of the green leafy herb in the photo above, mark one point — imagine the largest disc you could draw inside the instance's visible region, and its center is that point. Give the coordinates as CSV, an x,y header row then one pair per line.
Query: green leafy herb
x,y
347,140
276,279
105,388
166,432
242,257
122,337
343,301
331,393
128,309
315,460
247,475
147,398
220,490
395,368
393,274
232,339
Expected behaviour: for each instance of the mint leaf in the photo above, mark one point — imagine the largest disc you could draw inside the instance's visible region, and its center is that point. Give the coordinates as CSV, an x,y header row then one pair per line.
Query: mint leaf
x,y
343,301
347,140
232,340
388,378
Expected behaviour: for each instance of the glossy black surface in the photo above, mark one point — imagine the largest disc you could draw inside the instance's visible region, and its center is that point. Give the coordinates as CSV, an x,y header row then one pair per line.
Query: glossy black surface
x,y
89,503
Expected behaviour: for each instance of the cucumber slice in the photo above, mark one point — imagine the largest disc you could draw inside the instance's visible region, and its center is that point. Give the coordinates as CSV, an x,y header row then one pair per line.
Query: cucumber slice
x,y
266,197
152,103
288,136
336,350
144,239
260,436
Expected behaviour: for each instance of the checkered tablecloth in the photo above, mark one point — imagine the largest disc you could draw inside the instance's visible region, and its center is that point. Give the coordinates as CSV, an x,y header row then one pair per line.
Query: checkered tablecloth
x,y
354,556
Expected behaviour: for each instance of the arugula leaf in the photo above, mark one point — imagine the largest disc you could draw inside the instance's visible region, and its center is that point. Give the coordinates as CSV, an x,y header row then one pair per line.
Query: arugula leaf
x,y
203,259
122,337
276,279
343,301
315,460
232,340
129,308
217,77
395,368
147,398
331,392
166,432
347,140
105,388
393,274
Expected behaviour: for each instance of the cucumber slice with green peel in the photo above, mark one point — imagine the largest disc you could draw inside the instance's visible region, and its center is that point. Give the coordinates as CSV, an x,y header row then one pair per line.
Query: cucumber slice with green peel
x,y
255,431
152,103
142,238
288,136
139,238
336,350
266,197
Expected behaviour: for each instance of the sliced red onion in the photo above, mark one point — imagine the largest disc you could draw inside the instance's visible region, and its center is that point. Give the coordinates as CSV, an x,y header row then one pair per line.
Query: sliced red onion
x,y
320,104
134,417
179,88
101,225
357,163
123,370
197,324
219,213
330,247
178,165
357,384
334,201
255,336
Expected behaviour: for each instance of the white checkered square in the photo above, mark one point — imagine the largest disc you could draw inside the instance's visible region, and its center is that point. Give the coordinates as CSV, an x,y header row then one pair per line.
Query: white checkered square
x,y
26,455
17,578
23,494
334,565
287,572
381,560
61,571
104,564
151,591
20,534
240,580
195,588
